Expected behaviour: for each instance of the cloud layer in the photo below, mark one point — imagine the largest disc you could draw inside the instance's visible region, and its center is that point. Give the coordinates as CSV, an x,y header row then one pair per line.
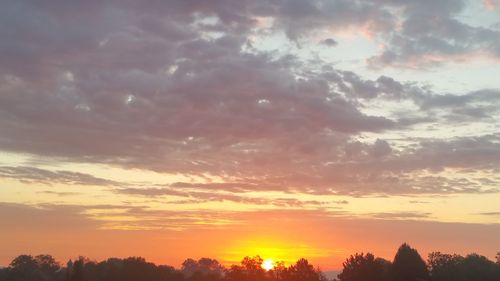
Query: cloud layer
x,y
179,87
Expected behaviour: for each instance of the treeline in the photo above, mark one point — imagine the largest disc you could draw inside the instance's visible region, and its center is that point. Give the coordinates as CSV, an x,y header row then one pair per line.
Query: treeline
x,y
46,268
407,265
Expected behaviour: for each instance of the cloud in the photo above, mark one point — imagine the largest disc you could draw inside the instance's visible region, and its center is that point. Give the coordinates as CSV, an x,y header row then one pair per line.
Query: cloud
x,y
467,152
402,215
26,217
178,88
63,227
37,175
412,34
473,106
431,34
48,220
329,42
418,202
57,193
197,196
43,217
491,214
491,4
297,18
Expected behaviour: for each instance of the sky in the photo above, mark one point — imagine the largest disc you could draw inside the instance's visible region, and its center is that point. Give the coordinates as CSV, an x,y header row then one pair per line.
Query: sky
x,y
285,128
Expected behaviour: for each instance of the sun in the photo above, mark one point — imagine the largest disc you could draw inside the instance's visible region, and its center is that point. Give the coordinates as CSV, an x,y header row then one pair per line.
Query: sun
x,y
268,264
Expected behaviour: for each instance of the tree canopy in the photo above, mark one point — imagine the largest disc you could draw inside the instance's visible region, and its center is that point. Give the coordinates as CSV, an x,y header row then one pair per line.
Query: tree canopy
x,y
408,265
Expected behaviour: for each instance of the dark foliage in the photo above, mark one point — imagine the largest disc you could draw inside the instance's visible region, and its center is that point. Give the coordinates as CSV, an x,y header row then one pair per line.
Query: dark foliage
x,y
45,268
407,266
473,267
365,267
26,267
204,269
445,267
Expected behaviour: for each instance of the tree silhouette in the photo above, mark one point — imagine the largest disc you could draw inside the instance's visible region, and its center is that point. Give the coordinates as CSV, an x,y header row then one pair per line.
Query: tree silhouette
x,y
303,271
24,267
408,265
279,272
444,267
69,270
249,270
365,267
3,274
253,264
478,268
77,272
27,267
48,266
203,269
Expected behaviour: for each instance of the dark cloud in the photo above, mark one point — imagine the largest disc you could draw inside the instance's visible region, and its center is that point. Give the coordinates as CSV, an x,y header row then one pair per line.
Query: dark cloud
x,y
329,42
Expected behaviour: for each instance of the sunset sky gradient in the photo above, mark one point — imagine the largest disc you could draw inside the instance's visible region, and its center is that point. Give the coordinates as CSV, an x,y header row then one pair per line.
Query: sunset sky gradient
x,y
191,128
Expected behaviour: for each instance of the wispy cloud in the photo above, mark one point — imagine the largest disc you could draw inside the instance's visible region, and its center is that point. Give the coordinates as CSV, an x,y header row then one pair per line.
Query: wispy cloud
x,y
37,175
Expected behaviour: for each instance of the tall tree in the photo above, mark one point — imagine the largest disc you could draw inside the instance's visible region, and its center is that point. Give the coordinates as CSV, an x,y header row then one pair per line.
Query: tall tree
x,y
77,272
69,270
408,265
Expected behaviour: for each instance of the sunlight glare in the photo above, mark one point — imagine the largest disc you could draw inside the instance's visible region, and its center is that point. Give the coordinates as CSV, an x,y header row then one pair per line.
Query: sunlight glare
x,y
268,264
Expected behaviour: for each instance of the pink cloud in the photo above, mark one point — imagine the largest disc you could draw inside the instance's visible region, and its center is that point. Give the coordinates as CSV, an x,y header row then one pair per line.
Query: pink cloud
x,y
491,4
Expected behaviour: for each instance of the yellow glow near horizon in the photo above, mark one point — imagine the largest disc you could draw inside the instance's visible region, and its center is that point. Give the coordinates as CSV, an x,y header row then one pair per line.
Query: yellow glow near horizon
x,y
272,249
268,264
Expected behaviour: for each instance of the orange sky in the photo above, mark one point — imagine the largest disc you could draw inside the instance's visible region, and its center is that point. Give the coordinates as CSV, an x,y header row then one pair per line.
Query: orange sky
x,y
324,239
